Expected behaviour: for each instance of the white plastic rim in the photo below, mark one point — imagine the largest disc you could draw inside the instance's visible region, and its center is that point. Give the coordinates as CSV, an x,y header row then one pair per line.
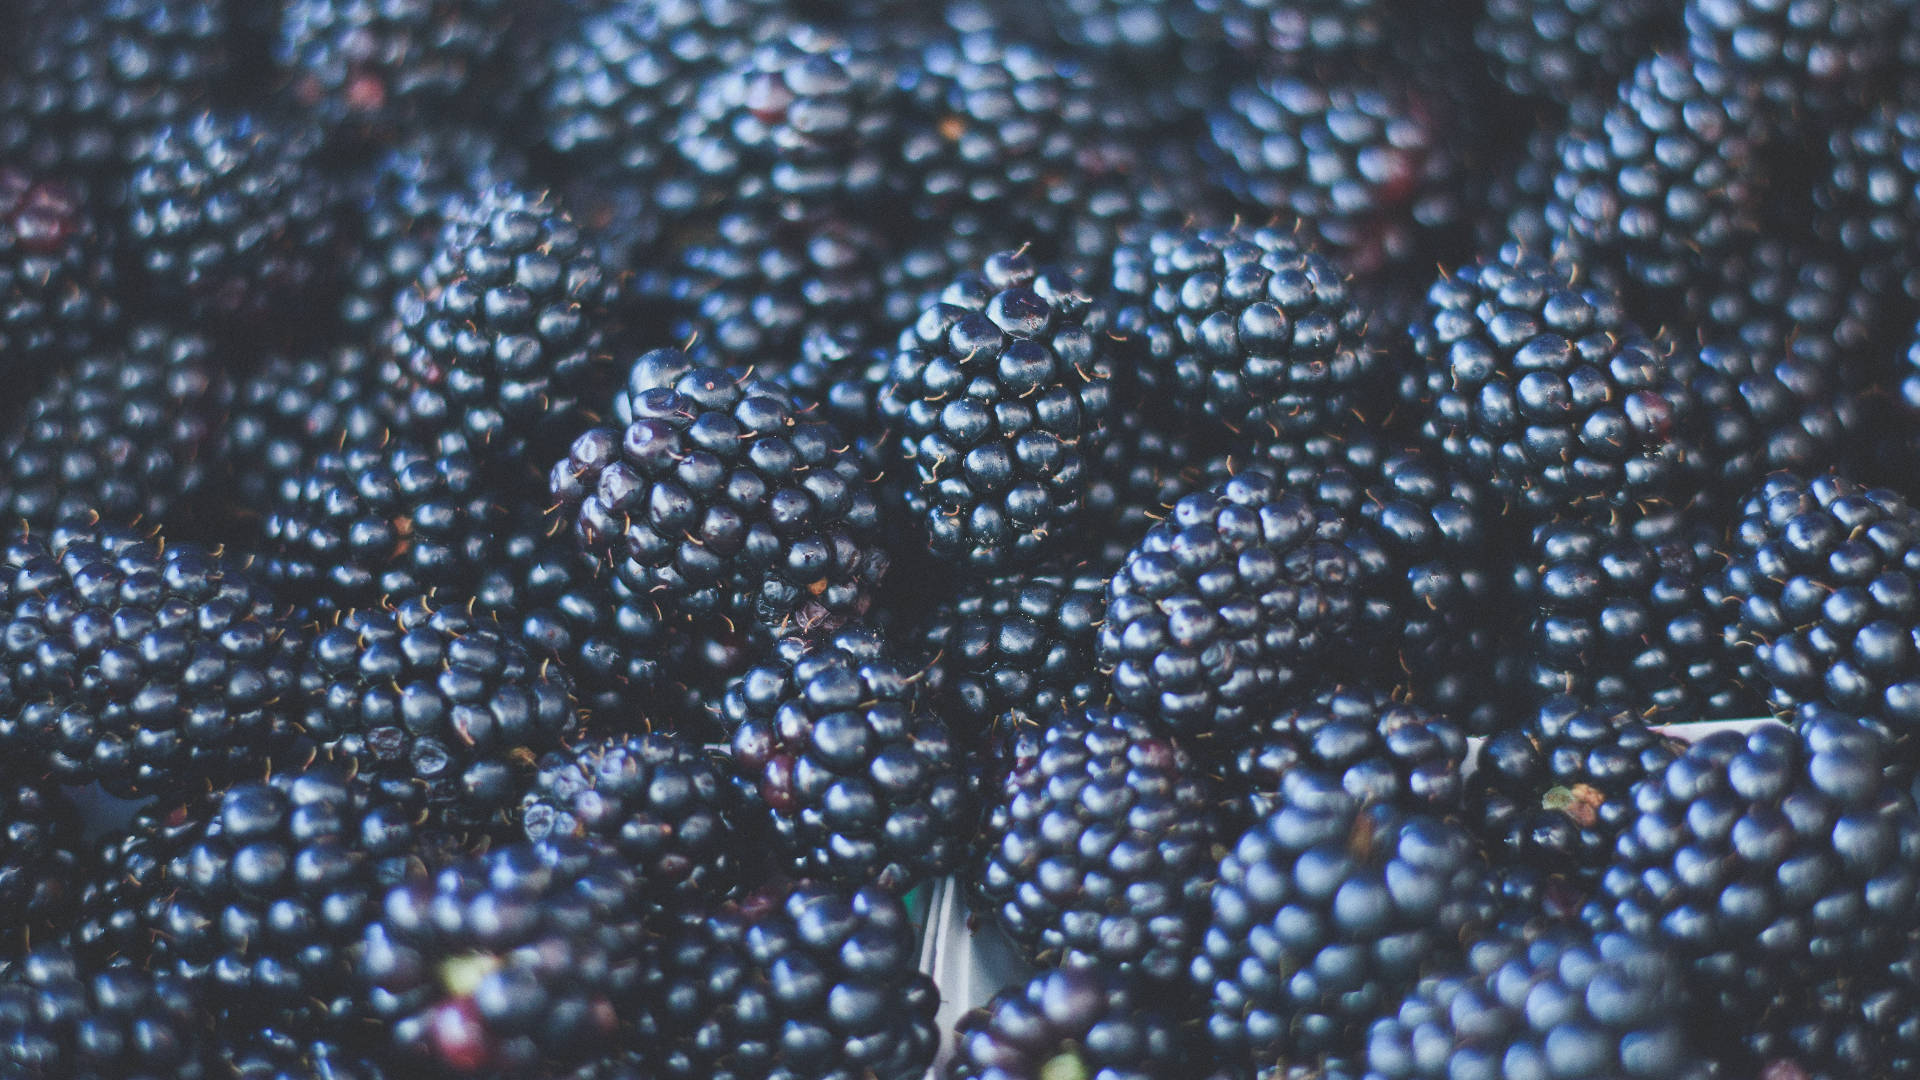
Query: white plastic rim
x,y
970,964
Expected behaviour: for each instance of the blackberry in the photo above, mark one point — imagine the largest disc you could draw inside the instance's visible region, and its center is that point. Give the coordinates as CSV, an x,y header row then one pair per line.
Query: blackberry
x,y
1790,301
857,778
95,77
1001,396
1868,203
1820,595
1799,56
1555,793
1796,865
661,802
750,293
224,214
501,335
291,409
1080,1019
1142,472
435,697
1632,617
1560,1003
1565,49
1376,749
1223,606
1014,651
1097,845
39,870
721,496
56,280
60,1020
269,902
806,121
1667,180
806,981
521,962
123,889
1249,327
1365,164
120,435
1323,915
395,520
140,664
1535,385
371,67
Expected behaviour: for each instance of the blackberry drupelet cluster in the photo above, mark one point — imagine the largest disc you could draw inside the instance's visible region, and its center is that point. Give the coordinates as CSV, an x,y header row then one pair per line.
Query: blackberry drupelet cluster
x,y
520,962
1567,49
1073,1021
802,981
437,697
1554,794
39,869
1808,57
662,802
371,68
1220,610
1820,598
121,435
380,521
290,409
1668,179
1250,328
225,214
1374,748
1014,651
1868,201
201,661
1146,467
722,496
123,886
267,906
59,1018
1001,396
855,774
1323,915
57,283
1097,845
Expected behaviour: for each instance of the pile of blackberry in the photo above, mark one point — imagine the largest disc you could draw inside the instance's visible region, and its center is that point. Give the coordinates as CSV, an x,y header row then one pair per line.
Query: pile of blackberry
x,y
844,540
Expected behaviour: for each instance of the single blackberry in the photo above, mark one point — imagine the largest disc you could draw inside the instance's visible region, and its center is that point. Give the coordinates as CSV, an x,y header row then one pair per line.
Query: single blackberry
x,y
1868,203
290,410
751,292
1632,617
1224,606
1083,1021
1367,165
807,121
807,981
1766,868
58,1019
856,776
39,870
120,435
140,664
94,78
224,214
502,334
1014,651
401,204
1668,180
1097,845
1791,301
662,803
370,67
1821,595
518,963
839,380
1249,327
1566,49
56,280
1561,1003
1323,915
440,697
1376,749
268,904
1144,469
1798,55
1555,793
396,520
1001,396
1533,383
722,497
